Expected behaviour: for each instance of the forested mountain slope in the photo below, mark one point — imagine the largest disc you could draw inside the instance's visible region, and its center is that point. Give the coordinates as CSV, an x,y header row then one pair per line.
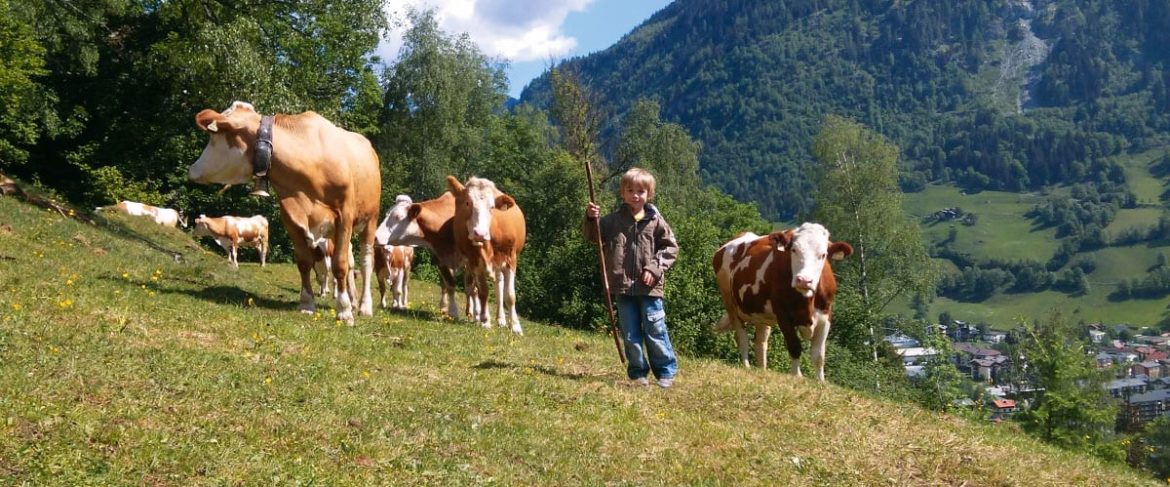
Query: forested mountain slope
x,y
1006,95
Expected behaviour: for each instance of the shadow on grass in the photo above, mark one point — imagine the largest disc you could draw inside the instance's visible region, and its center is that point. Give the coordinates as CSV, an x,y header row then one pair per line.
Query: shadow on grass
x,y
230,295
543,369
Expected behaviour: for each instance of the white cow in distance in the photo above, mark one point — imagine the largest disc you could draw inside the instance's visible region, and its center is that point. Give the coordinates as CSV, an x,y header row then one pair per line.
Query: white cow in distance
x,y
166,217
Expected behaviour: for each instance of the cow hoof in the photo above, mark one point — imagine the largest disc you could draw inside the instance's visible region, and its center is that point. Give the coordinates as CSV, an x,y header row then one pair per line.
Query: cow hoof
x,y
346,316
366,309
517,330
308,310
487,325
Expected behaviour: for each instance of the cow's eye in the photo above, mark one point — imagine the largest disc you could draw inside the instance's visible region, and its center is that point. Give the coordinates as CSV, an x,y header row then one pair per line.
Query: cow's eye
x,y
822,257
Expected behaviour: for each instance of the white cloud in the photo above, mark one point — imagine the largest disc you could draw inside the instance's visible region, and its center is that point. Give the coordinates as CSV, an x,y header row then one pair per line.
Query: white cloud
x,y
516,30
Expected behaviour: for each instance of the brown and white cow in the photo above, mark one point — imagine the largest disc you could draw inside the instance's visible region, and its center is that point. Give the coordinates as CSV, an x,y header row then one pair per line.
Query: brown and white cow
x,y
166,217
327,179
323,268
490,233
392,264
233,232
780,278
427,224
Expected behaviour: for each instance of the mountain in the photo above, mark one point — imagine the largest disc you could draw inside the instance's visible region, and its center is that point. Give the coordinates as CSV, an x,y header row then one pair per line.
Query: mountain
x,y
1001,95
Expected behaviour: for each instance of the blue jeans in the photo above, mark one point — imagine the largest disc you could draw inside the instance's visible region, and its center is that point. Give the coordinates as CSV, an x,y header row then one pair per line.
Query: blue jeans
x,y
643,320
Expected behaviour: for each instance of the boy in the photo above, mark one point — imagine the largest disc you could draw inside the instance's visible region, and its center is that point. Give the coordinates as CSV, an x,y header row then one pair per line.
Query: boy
x,y
639,249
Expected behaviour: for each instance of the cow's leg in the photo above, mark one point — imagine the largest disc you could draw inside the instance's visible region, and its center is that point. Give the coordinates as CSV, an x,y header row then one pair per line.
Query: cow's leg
x,y
384,276
448,303
234,255
321,268
501,281
406,285
761,342
341,264
304,258
481,298
469,288
820,334
741,340
792,343
510,299
263,253
366,306
399,288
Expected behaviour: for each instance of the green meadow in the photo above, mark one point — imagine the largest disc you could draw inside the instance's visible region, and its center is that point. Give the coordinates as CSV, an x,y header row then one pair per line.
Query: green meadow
x,y
1003,232
131,355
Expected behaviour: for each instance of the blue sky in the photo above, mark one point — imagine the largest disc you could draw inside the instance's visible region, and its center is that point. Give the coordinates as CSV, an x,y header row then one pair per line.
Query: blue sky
x,y
530,33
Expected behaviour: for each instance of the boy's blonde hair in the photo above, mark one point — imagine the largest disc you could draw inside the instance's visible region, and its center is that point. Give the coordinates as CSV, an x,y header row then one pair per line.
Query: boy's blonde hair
x,y
640,178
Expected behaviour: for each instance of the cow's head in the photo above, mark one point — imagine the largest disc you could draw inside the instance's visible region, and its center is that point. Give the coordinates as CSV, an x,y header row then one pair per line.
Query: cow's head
x,y
227,159
400,225
476,200
808,246
201,226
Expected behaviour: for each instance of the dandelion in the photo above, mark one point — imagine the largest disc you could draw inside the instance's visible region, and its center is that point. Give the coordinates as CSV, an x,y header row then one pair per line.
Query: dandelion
x,y
117,292
65,304
69,282
150,293
16,306
268,380
53,349
154,278
125,275
366,374
660,414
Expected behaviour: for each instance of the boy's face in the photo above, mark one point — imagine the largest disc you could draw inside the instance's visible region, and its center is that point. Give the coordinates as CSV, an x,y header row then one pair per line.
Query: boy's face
x,y
635,197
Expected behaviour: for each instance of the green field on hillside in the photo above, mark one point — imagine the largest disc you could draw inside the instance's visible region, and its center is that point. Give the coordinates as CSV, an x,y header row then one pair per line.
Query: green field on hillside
x,y
131,355
1002,232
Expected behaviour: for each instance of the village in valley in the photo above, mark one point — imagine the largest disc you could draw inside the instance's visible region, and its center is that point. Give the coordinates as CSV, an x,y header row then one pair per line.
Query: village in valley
x,y
1138,358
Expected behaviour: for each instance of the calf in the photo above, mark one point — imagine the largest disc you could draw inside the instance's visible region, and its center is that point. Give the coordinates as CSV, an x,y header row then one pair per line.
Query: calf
x,y
780,278
392,264
489,232
233,232
427,224
166,217
327,178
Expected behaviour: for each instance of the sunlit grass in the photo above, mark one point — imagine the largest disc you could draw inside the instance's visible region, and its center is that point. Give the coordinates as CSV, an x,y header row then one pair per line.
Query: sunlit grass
x,y
122,364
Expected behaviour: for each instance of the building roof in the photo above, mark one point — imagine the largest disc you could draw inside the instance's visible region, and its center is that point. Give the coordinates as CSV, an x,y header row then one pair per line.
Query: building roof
x,y
1150,396
1003,403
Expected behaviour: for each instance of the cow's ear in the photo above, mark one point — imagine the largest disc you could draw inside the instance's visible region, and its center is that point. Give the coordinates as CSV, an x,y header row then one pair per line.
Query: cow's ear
x,y
413,212
504,202
209,120
780,239
454,184
840,250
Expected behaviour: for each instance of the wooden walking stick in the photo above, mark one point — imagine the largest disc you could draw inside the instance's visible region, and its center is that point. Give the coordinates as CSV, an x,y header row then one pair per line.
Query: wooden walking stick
x,y
613,328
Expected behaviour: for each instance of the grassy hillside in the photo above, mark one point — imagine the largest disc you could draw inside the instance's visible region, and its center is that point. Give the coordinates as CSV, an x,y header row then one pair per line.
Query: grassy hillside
x,y
133,356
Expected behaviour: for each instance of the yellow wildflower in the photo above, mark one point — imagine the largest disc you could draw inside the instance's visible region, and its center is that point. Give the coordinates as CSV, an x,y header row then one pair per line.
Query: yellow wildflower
x,y
67,303
125,275
366,374
16,306
69,282
268,380
150,293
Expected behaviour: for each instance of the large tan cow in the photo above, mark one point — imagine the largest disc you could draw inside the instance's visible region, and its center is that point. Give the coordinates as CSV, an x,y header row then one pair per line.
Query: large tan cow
x,y
490,232
327,179
233,232
392,264
429,225
166,217
781,278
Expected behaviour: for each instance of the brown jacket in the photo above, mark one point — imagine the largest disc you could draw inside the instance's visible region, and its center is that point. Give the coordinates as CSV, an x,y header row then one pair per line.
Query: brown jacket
x,y
631,247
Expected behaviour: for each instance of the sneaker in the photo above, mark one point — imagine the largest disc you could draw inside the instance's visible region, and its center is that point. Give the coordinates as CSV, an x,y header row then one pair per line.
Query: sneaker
x,y
640,382
665,383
